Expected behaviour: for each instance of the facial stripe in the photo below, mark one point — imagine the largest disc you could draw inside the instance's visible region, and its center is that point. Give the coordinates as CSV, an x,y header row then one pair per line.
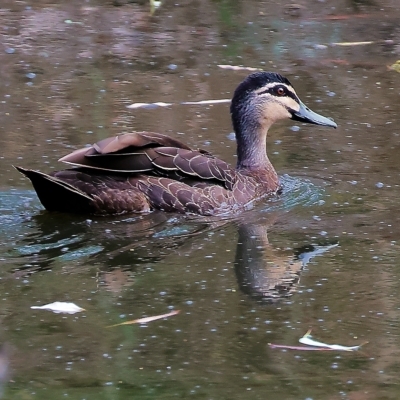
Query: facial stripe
x,y
270,89
268,86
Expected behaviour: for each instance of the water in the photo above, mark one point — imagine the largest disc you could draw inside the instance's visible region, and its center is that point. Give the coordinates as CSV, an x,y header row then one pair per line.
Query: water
x,y
323,255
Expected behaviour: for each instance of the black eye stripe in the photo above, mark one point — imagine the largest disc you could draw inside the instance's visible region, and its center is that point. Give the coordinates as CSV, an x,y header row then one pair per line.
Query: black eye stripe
x,y
272,90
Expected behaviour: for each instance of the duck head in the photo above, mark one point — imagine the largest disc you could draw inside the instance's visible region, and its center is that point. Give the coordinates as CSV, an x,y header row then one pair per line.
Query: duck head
x,y
260,100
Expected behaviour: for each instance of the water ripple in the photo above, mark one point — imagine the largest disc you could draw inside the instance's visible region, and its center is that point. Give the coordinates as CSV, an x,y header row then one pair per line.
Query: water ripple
x,y
296,192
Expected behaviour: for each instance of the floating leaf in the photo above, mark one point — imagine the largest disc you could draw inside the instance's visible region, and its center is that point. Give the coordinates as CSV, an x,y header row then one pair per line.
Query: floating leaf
x,y
307,339
202,102
185,103
147,319
68,21
316,346
395,66
351,43
154,4
60,307
149,105
238,68
303,348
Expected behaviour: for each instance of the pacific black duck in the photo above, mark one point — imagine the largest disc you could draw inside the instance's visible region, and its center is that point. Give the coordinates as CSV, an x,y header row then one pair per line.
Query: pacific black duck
x,y
142,171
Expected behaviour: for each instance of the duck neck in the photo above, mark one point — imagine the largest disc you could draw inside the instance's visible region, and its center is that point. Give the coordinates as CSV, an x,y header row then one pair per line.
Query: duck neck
x,y
251,140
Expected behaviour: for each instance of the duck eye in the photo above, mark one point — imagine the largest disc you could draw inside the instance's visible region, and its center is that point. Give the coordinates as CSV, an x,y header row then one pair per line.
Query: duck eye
x,y
280,91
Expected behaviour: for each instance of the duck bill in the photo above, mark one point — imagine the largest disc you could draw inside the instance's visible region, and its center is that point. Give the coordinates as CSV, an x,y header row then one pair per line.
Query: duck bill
x,y
304,114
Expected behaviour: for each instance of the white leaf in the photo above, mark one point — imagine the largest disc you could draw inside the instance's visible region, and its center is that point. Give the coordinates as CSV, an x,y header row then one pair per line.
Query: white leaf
x,y
238,68
219,101
306,339
60,307
149,105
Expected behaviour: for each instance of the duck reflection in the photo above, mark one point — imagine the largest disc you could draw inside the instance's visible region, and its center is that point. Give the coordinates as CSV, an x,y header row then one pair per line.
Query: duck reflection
x,y
119,247
266,272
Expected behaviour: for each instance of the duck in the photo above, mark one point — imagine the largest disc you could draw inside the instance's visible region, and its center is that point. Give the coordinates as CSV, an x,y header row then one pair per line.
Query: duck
x,y
140,172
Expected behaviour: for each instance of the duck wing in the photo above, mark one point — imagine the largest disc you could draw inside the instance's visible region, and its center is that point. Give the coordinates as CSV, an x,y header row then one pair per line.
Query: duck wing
x,y
153,154
123,153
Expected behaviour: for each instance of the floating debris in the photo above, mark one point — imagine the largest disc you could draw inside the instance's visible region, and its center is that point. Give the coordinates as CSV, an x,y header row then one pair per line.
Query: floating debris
x,y
395,66
351,43
238,68
185,103
306,339
154,4
315,345
202,102
147,319
69,21
149,105
60,307
301,348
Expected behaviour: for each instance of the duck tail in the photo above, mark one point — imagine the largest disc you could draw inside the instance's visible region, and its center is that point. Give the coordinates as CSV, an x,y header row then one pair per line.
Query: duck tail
x,y
57,195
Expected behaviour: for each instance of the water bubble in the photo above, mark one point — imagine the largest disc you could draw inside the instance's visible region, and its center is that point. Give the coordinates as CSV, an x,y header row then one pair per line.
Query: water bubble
x,y
30,75
10,50
231,136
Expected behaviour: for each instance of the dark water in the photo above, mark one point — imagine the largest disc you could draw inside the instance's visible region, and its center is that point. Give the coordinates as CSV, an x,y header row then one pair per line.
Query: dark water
x,y
324,255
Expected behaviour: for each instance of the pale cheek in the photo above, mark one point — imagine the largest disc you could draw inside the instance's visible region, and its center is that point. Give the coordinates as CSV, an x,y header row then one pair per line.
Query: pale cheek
x,y
276,112
293,105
